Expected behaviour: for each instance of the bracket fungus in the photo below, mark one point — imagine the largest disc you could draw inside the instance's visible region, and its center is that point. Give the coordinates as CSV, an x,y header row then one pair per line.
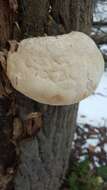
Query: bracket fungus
x,y
56,70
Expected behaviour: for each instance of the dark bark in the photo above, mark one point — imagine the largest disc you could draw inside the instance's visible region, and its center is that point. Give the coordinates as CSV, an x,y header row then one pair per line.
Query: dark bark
x,y
61,13
7,22
44,157
33,17
81,15
86,14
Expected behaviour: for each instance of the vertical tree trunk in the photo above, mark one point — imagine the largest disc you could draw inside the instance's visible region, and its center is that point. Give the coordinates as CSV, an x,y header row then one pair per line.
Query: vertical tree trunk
x,y
43,159
5,22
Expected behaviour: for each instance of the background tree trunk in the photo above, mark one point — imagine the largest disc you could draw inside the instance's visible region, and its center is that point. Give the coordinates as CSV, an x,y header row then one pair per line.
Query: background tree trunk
x,y
43,159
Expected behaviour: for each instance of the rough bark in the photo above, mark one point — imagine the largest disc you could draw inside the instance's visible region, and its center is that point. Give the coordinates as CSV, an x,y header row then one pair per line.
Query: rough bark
x,y
4,22
33,17
81,15
44,157
86,14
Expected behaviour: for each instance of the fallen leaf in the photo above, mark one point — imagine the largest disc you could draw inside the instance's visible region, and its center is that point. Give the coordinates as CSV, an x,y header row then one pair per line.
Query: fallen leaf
x,y
91,148
18,129
33,123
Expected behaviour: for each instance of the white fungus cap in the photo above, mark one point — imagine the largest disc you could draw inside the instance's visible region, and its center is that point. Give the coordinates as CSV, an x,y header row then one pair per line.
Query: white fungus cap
x,y
60,70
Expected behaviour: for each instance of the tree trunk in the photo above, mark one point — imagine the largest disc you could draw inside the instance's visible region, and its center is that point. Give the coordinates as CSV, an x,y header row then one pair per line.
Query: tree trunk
x,y
37,161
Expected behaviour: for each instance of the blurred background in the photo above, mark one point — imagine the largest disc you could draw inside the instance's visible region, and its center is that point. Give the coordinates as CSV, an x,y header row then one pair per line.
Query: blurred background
x,y
90,144
93,110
